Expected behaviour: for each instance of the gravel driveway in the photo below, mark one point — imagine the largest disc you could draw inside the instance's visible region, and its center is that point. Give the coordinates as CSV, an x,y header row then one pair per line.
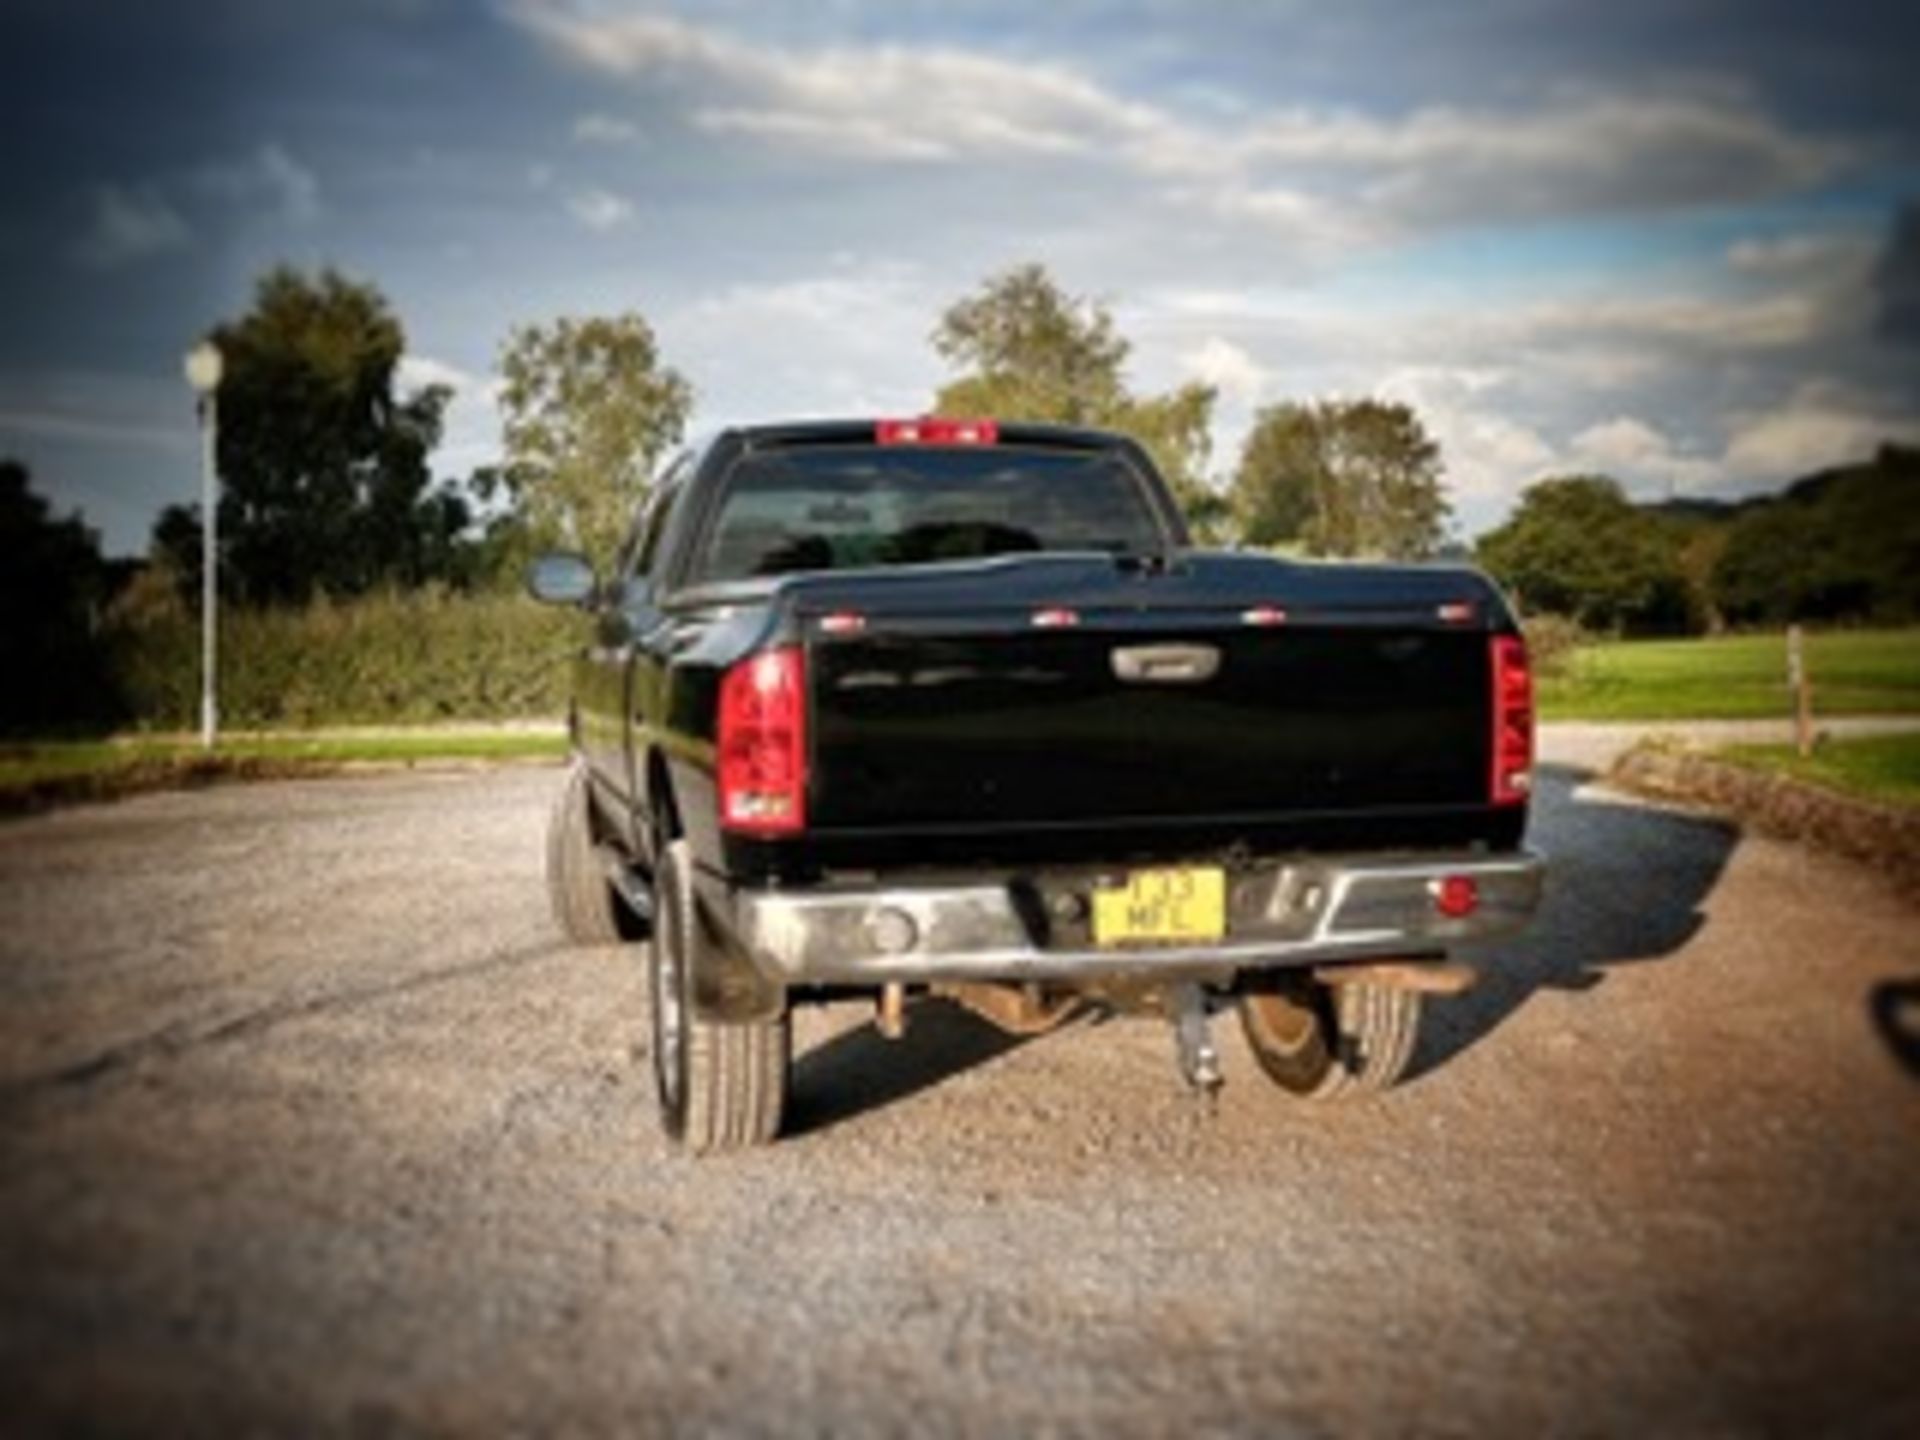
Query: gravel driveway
x,y
308,1123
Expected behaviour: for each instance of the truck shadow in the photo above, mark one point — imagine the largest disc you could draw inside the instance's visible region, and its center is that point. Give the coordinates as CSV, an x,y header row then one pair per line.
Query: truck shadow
x,y
860,1070
1625,884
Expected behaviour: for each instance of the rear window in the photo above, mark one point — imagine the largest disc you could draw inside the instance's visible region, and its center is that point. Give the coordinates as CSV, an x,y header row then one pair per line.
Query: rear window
x,y
849,507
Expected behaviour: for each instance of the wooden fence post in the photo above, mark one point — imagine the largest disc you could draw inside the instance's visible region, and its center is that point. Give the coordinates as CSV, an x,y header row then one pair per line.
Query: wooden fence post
x,y
1802,686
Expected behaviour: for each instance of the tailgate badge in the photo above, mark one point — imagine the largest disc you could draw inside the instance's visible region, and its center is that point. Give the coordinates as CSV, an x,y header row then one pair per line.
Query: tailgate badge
x,y
1166,664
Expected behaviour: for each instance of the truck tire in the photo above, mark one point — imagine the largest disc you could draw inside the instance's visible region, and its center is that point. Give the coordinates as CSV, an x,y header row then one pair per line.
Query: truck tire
x,y
1332,1042
585,903
722,1084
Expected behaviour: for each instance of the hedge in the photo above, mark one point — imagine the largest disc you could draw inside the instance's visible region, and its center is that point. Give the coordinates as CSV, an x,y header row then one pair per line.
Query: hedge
x,y
402,658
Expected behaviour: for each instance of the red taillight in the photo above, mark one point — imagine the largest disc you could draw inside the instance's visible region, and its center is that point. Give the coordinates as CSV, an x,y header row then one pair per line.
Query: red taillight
x,y
763,744
1512,720
936,430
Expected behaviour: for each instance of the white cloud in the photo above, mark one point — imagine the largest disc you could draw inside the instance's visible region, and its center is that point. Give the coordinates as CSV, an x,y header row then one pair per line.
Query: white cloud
x,y
297,186
416,372
1798,257
290,190
849,343
852,135
600,209
926,103
1312,226
128,225
847,300
1489,456
131,222
599,129
1643,458
1681,384
1819,425
1229,369
101,430
132,411
1573,153
1621,442
1777,321
1694,390
471,434
1339,175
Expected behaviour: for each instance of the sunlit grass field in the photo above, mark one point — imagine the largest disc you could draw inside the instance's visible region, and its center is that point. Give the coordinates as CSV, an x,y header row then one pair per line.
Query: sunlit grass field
x,y
1854,672
1885,768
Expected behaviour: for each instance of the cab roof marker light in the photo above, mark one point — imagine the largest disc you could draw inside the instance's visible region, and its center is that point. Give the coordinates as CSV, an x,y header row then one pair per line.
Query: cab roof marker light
x,y
936,430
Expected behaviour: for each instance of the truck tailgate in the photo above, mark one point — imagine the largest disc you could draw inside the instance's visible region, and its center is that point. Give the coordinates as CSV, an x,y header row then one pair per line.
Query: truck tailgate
x,y
1329,701
997,728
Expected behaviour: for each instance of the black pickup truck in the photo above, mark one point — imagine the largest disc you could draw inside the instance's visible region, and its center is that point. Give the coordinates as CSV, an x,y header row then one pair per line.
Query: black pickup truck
x,y
888,708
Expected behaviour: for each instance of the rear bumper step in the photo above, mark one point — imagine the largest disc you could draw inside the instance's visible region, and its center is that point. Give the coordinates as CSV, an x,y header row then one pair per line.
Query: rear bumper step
x,y
1296,912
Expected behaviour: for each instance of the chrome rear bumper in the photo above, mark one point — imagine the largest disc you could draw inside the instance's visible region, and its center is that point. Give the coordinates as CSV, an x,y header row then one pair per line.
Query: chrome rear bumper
x,y
1291,912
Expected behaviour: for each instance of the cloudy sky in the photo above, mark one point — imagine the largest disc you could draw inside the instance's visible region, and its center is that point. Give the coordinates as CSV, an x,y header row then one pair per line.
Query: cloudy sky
x,y
1656,238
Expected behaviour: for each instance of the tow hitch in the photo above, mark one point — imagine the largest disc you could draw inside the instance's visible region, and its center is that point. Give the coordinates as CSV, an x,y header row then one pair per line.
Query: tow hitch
x,y
1193,1040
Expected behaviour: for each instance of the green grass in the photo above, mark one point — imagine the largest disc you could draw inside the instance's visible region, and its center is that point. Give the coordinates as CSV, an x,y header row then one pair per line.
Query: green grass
x,y
40,773
1855,672
1885,768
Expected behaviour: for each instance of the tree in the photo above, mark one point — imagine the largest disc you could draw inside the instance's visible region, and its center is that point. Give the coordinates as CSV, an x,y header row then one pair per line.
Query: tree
x,y
52,585
1176,428
589,409
323,467
1030,351
1693,533
1272,492
1342,477
1841,544
1576,546
1770,569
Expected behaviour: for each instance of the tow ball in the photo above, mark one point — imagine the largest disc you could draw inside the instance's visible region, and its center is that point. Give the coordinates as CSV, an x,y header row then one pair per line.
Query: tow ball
x,y
1193,1040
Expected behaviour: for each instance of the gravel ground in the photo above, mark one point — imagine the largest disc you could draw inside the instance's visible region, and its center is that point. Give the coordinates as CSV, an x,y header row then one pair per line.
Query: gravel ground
x,y
307,1123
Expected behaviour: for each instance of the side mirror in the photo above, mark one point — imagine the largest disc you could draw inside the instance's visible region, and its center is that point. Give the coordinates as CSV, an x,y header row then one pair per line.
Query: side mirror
x,y
562,578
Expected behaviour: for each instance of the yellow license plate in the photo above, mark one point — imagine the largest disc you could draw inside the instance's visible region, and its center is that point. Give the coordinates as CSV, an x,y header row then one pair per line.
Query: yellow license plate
x,y
1162,907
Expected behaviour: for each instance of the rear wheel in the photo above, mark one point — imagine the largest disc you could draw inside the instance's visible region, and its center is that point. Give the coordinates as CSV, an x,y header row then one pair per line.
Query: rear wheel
x,y
1330,1042
722,1084
585,903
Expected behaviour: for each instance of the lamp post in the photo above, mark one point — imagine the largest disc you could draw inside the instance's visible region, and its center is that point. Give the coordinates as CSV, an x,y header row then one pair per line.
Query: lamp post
x,y
203,366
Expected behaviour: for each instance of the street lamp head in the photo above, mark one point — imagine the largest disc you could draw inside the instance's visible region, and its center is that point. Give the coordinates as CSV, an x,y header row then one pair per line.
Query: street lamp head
x,y
203,367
